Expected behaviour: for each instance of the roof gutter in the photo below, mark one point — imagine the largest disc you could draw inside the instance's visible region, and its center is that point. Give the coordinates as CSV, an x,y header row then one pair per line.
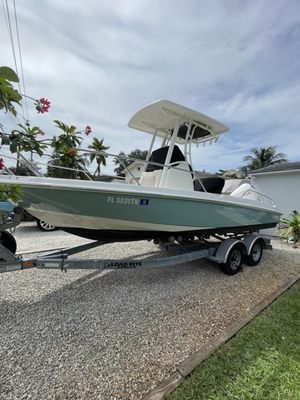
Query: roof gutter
x,y
276,172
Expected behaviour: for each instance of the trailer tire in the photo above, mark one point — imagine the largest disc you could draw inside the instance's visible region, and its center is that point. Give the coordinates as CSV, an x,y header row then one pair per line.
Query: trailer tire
x,y
8,241
234,260
256,253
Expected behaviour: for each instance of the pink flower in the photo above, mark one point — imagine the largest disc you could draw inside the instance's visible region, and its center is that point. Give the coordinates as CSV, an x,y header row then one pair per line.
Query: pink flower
x,y
1,163
87,130
42,105
41,132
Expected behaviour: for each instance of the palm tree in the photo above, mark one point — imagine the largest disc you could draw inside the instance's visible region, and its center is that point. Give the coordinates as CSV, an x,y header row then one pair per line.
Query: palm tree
x,y
290,227
263,157
98,146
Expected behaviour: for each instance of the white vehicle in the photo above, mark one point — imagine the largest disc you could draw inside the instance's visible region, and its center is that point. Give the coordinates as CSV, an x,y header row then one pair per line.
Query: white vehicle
x,y
45,226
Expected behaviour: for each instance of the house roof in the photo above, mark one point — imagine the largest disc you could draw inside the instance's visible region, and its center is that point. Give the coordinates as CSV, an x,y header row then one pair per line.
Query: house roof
x,y
282,167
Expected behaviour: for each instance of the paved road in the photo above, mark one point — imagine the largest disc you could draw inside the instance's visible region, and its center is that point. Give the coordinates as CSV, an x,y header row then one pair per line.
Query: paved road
x,y
116,334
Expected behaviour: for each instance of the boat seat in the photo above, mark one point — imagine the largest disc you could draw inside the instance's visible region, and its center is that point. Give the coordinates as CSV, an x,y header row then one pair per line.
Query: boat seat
x,y
151,178
178,176
212,183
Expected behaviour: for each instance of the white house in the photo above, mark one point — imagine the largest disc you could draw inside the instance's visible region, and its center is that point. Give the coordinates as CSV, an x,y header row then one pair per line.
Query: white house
x,y
135,169
280,182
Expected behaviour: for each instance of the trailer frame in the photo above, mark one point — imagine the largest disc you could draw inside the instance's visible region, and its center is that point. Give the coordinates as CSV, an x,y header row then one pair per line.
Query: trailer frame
x,y
229,253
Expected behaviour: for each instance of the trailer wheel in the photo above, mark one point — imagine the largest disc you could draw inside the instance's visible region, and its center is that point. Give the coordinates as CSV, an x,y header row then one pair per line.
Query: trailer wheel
x,y
234,261
255,254
7,240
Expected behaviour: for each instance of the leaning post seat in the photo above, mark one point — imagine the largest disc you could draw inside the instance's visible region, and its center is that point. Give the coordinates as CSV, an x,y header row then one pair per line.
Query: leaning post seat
x,y
179,175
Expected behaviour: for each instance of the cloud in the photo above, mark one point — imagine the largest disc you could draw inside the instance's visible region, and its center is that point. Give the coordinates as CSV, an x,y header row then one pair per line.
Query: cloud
x,y
99,62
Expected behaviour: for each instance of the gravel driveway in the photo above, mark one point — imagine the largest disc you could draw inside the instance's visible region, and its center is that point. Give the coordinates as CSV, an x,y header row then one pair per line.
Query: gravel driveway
x,y
116,334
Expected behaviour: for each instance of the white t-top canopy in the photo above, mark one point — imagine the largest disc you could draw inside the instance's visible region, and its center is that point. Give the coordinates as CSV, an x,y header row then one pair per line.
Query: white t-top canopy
x,y
161,117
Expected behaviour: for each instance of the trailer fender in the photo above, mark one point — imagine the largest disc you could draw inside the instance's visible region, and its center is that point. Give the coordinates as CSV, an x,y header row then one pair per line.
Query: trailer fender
x,y
250,240
224,249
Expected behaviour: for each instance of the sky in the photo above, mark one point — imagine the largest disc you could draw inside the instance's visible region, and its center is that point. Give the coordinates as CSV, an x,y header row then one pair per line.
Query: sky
x,y
99,62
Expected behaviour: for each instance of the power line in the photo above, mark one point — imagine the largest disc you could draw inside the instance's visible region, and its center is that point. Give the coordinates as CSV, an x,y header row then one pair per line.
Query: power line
x,y
5,15
11,36
13,47
20,58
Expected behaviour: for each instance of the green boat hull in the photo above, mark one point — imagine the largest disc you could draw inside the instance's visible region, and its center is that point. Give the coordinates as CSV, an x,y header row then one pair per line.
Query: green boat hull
x,y
99,213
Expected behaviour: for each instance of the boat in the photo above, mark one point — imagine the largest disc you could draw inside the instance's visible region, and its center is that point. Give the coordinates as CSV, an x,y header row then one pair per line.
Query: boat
x,y
170,201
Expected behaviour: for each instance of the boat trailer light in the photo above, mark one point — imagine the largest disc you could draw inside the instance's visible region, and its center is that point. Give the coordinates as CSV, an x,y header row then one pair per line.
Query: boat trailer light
x,y
28,264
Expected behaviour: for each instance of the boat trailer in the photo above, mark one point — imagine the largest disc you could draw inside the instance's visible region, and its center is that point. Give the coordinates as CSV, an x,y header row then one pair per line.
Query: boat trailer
x,y
230,253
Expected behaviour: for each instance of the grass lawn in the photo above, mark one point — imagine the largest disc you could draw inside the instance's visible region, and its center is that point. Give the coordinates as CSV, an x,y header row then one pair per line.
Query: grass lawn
x,y
261,362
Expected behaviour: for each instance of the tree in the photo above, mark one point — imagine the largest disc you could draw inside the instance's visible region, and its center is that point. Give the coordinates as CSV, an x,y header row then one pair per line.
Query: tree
x,y
98,146
23,170
263,157
290,227
8,95
65,154
135,154
233,174
26,139
121,156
